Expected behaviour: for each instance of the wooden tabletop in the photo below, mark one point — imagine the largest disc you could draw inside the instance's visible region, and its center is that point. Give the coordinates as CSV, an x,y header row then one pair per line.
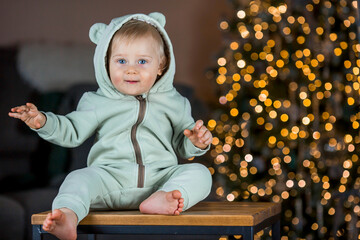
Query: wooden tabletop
x,y
202,214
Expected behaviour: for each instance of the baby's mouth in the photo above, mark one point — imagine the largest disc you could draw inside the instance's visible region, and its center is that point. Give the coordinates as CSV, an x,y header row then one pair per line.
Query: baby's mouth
x,y
131,81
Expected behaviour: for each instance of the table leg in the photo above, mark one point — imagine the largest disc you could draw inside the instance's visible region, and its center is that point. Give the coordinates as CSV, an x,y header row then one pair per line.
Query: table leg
x,y
248,234
91,237
275,229
36,232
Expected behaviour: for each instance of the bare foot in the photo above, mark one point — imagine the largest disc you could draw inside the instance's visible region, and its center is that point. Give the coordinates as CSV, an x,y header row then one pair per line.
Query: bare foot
x,y
62,223
160,202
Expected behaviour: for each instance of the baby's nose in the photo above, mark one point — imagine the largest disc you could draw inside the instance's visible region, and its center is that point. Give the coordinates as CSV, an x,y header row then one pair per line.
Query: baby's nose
x,y
131,70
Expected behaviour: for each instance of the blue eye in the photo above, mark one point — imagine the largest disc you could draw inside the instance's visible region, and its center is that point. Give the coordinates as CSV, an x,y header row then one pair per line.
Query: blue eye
x,y
142,61
121,61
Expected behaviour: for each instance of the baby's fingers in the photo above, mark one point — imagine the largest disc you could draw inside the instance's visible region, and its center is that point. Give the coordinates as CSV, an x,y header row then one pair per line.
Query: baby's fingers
x,y
16,114
201,132
188,133
207,138
19,109
12,114
31,106
198,124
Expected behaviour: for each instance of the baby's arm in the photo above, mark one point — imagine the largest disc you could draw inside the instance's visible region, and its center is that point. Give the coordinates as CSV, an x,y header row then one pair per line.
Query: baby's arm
x,y
29,114
200,136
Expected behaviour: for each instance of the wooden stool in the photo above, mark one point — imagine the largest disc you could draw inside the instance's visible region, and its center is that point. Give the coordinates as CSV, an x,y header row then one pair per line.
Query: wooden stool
x,y
205,218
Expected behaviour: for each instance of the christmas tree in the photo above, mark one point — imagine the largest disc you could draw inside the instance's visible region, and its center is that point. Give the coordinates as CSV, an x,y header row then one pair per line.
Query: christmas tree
x,y
287,125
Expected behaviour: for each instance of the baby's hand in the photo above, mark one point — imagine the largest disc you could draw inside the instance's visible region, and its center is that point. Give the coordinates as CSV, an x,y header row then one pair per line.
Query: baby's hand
x,y
200,136
29,114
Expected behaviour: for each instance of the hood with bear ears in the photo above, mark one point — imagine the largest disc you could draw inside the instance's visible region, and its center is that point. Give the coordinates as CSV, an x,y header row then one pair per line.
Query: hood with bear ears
x,y
101,34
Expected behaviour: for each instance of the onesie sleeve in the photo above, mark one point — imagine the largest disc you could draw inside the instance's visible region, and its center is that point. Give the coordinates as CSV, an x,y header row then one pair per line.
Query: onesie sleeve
x,y
183,146
72,129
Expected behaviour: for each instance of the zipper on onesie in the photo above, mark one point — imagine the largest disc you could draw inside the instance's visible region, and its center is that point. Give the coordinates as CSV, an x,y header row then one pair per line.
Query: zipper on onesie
x,y
139,161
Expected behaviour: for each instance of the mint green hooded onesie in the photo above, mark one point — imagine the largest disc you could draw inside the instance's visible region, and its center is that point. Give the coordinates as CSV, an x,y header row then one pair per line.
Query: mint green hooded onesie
x,y
137,138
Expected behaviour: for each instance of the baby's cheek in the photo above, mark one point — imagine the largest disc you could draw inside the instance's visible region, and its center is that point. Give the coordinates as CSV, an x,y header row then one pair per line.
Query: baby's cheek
x,y
115,78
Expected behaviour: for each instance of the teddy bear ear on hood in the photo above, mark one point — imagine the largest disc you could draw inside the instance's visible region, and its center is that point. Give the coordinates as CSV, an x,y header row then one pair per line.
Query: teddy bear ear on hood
x,y
96,32
158,17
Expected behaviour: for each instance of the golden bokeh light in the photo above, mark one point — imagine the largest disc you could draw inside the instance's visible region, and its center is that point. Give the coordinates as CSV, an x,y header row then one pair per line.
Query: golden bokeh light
x,y
289,111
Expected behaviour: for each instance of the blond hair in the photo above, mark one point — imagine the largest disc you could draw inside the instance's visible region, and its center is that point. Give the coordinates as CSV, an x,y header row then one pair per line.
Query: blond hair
x,y
134,29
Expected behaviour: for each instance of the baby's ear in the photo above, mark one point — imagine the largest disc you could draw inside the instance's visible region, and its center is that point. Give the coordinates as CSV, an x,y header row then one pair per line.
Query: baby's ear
x,y
158,17
162,65
96,32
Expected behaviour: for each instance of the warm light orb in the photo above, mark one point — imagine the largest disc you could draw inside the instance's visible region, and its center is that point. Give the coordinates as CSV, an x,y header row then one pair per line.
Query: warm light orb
x,y
241,63
224,25
284,117
272,140
221,61
212,123
306,120
241,14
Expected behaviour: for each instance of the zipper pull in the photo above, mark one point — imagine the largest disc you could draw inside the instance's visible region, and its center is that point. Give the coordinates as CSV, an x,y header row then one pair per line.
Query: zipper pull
x,y
140,97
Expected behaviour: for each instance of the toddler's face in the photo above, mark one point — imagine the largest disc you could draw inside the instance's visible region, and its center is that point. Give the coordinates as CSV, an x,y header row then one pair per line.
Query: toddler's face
x,y
134,65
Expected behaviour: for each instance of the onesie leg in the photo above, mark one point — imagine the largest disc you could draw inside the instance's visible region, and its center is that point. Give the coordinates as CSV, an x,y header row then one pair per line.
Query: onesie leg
x,y
79,189
192,180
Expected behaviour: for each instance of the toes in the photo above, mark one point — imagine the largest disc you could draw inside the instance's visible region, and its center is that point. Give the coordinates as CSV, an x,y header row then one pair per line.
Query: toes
x,y
51,228
45,228
181,205
48,225
56,214
176,194
47,222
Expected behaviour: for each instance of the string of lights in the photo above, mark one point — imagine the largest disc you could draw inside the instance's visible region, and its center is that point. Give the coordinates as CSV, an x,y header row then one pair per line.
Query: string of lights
x,y
287,125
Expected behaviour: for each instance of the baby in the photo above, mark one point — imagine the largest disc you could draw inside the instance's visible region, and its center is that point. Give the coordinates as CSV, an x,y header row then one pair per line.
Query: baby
x,y
141,123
